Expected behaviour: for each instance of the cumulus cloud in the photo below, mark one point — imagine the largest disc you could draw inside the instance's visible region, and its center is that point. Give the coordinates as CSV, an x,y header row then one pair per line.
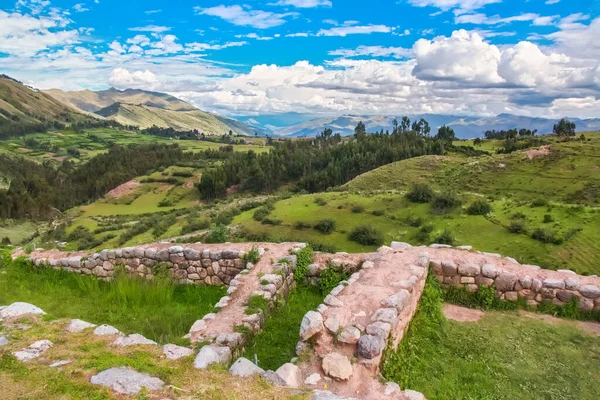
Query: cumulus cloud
x,y
150,28
354,30
121,78
526,65
303,3
245,16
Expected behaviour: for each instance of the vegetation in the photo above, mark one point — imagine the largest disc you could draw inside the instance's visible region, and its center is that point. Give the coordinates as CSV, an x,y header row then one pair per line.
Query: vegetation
x,y
330,277
480,207
367,235
159,309
420,193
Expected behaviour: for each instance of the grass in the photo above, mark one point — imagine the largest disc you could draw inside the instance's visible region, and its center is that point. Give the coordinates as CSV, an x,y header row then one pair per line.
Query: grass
x,y
275,345
503,356
159,310
17,232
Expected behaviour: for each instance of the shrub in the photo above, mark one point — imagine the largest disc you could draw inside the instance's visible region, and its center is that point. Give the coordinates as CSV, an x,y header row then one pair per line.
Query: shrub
x,y
444,203
193,226
539,203
325,226
546,236
414,221
357,209
253,256
320,201
270,221
517,226
218,234
301,225
480,207
424,233
367,236
445,237
5,258
378,213
325,248
264,211
548,218
420,193
330,277
6,241
305,258
518,215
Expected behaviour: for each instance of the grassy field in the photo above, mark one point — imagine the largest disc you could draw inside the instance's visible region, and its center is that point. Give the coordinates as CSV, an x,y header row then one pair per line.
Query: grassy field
x,y
17,232
159,310
275,344
503,356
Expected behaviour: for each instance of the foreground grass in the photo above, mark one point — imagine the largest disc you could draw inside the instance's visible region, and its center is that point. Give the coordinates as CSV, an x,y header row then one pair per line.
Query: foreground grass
x,y
275,345
159,310
90,355
503,356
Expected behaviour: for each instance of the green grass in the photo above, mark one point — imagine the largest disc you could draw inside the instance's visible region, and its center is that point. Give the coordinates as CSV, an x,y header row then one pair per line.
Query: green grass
x,y
503,356
159,310
17,232
275,345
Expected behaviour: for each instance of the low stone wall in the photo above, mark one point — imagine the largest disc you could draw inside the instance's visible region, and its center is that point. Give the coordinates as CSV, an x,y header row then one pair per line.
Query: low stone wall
x,y
184,264
513,281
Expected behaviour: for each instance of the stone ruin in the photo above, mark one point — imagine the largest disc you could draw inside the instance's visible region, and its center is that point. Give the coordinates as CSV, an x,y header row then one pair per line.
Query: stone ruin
x,y
341,343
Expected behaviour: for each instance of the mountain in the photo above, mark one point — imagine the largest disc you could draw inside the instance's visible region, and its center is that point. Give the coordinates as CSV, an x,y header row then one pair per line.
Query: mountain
x,y
465,127
144,109
23,105
146,116
90,101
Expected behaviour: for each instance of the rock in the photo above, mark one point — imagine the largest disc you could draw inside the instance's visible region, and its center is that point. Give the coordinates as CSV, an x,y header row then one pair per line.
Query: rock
x,y
388,315
391,388
223,302
322,308
400,245
312,323
333,301
466,248
490,271
3,341
590,291
77,325
565,295
134,339
440,246
407,284
449,268
244,367
413,395
175,249
174,352
273,279
370,346
337,366
104,330
126,381
198,326
301,347
350,334
526,282
273,378
290,374
34,351
471,270
192,255
368,265
506,282
536,285
19,309
567,271
571,283
326,395
379,328
511,296
60,363
333,324
212,354
554,283
313,379
397,301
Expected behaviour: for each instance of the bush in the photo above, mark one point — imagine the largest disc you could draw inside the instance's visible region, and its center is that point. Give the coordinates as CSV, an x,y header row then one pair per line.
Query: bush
x,y
367,236
325,226
546,236
414,221
424,233
357,209
517,226
480,207
305,258
445,237
378,213
253,256
6,241
518,215
320,201
420,193
539,203
325,248
193,226
444,203
218,234
330,277
261,214
548,218
301,225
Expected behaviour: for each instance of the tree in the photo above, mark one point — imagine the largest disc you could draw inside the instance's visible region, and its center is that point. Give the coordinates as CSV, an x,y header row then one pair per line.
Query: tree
x,y
326,134
445,134
405,124
422,127
564,128
477,142
360,130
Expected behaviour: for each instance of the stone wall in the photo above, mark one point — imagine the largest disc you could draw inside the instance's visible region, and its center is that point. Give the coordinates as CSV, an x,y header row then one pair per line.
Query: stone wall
x,y
184,264
513,281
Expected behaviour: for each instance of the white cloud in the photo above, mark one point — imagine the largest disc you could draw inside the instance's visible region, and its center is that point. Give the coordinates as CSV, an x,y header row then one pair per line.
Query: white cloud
x,y
526,65
354,30
298,34
151,28
464,5
200,47
374,51
141,40
464,56
303,3
150,12
80,7
552,1
255,36
483,19
121,78
242,16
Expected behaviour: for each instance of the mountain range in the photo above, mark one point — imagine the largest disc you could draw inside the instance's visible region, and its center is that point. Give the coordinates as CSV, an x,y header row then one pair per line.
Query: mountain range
x,y
465,127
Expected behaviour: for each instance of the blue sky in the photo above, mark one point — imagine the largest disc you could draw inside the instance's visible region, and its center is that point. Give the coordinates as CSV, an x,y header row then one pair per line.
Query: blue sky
x,y
317,57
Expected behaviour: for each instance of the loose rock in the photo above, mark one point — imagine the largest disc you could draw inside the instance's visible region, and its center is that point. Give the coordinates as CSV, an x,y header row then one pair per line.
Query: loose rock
x,y
290,374
126,381
34,351
313,379
134,339
104,330
174,352
19,309
370,346
212,354
244,367
337,366
77,325
312,323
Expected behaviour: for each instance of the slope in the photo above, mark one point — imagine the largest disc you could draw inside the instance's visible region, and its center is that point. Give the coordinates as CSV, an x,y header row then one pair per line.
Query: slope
x,y
146,116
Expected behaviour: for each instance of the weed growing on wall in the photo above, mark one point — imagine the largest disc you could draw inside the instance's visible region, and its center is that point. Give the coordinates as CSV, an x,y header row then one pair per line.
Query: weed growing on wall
x,y
304,259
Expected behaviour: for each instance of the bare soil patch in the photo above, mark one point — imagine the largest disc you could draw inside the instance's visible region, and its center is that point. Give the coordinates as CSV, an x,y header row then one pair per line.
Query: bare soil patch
x,y
462,314
124,189
539,152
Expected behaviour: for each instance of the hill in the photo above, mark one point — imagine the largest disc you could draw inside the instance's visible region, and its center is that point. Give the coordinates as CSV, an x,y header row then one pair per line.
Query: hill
x,y
22,107
90,101
465,127
146,116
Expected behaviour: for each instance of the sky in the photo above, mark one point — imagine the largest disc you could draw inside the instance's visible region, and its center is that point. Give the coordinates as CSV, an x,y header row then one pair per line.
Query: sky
x,y
317,57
